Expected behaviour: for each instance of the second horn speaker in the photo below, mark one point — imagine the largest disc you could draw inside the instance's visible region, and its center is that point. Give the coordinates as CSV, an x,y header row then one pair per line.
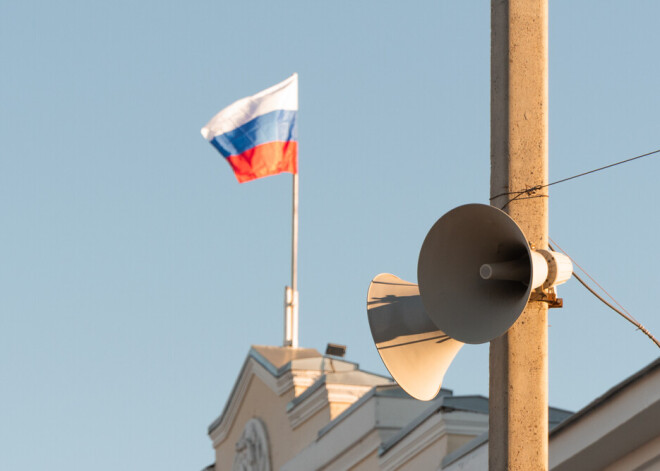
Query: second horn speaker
x,y
416,353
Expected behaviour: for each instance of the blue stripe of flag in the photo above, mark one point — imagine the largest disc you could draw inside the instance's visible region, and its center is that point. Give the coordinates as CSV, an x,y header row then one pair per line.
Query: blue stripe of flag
x,y
278,125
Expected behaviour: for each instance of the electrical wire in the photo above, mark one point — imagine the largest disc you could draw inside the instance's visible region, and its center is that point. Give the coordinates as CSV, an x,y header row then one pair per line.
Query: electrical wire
x,y
633,322
593,280
623,312
519,197
530,193
534,189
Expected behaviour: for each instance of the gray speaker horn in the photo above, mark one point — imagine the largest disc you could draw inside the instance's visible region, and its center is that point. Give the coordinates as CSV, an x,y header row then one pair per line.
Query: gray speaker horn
x,y
476,272
416,353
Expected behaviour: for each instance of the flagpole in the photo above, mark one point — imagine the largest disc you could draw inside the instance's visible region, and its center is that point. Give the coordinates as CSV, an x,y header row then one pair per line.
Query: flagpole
x,y
291,292
294,263
221,132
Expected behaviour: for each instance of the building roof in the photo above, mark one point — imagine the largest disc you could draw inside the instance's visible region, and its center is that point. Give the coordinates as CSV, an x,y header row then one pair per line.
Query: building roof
x,y
602,400
279,358
366,414
618,430
279,361
442,403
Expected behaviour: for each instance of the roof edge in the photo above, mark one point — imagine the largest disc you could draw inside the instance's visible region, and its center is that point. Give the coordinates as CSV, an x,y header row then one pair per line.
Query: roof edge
x,y
602,399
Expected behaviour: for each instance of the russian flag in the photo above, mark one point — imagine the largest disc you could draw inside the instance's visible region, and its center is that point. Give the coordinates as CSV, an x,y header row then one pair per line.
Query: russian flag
x,y
258,135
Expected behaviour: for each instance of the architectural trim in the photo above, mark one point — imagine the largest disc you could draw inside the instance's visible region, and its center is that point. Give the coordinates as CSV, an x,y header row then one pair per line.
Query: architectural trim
x,y
326,452
303,380
321,396
474,404
350,457
220,427
429,431
467,449
606,398
611,427
465,423
346,393
410,446
278,385
312,404
347,413
279,380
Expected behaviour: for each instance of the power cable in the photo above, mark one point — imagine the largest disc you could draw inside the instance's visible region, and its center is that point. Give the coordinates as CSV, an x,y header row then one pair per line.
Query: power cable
x,y
530,191
623,312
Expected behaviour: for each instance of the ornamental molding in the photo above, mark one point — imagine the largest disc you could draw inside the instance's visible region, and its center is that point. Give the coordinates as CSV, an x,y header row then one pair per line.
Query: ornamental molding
x,y
252,449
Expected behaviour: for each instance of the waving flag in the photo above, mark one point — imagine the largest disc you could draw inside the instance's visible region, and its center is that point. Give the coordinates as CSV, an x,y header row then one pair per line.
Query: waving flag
x,y
258,134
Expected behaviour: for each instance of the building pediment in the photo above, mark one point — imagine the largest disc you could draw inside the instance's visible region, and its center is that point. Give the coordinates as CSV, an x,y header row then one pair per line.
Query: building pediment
x,y
280,369
283,396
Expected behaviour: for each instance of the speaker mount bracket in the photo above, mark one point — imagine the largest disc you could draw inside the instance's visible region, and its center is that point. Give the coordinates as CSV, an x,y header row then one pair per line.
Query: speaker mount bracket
x,y
549,297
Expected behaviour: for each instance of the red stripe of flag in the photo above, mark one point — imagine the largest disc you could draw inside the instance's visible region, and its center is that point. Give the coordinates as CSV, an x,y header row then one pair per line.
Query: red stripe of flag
x,y
264,160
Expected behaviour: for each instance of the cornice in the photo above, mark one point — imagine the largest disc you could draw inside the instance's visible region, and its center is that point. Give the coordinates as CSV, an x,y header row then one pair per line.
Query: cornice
x,y
303,379
428,432
322,397
423,436
349,458
346,393
465,423
219,429
314,403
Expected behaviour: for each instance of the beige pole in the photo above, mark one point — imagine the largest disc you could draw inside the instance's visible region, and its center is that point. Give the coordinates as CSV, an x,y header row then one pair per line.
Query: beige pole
x,y
518,428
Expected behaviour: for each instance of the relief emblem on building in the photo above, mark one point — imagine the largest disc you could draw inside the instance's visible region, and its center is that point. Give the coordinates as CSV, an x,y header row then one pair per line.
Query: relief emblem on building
x,y
252,451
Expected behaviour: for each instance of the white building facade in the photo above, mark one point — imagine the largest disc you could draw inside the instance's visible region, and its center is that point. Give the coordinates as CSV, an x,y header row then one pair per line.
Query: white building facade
x,y
294,409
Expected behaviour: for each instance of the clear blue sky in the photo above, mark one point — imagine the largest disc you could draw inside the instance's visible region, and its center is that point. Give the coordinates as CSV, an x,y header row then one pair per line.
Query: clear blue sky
x,y
135,272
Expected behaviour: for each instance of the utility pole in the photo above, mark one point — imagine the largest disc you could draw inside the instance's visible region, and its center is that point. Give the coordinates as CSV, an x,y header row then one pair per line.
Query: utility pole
x,y
518,427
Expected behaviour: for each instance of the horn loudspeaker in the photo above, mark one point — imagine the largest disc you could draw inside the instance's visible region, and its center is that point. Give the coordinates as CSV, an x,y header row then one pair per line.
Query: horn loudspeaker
x,y
416,353
476,272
